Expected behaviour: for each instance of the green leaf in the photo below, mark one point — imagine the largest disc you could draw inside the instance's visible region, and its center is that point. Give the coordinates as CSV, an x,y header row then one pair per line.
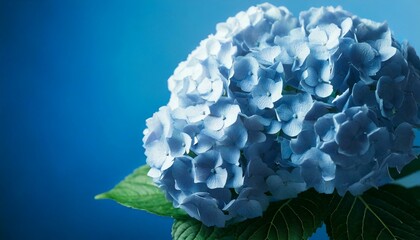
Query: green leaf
x,y
296,218
415,192
390,212
138,191
409,169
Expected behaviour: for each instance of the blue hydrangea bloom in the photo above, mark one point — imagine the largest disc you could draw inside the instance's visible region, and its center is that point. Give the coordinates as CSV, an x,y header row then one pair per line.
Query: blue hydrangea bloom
x,y
271,105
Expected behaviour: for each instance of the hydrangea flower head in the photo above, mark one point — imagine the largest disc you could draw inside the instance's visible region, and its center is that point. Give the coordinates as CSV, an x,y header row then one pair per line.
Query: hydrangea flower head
x,y
272,105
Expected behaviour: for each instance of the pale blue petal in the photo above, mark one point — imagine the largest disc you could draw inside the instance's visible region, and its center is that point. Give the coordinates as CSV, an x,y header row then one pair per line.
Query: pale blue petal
x,y
268,54
310,76
217,180
352,139
292,128
230,154
213,123
250,208
203,207
235,178
304,141
284,113
404,138
323,90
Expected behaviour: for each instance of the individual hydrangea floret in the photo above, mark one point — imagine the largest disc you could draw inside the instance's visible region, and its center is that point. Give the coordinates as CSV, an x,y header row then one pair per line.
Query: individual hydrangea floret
x,y
291,112
271,105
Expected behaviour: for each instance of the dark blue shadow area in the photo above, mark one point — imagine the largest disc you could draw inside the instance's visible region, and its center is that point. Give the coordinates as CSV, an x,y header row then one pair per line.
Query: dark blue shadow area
x,y
78,79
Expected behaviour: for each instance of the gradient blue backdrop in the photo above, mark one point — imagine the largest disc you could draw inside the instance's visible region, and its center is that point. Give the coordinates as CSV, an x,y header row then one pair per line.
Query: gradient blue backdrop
x,y
79,78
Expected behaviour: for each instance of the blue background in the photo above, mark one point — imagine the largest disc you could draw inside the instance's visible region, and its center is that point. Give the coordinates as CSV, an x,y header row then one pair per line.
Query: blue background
x,y
79,78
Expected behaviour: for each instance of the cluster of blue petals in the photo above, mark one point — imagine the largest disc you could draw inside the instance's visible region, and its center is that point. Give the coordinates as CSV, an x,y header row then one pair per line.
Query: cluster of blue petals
x,y
272,105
